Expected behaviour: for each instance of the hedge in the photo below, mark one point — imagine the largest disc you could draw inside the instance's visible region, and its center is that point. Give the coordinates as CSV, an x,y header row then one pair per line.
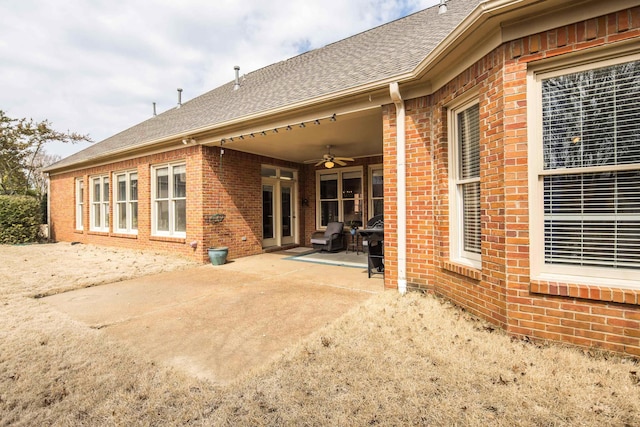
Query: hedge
x,y
19,219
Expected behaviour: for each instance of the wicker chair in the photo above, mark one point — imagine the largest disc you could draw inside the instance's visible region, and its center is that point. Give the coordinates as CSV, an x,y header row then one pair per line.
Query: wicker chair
x,y
330,240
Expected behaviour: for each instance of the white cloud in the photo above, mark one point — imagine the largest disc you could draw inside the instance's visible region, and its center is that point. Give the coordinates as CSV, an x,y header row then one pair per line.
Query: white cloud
x,y
95,67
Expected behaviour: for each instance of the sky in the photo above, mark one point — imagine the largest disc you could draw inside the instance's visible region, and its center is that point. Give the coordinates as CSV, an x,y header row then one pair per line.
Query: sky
x,y
95,67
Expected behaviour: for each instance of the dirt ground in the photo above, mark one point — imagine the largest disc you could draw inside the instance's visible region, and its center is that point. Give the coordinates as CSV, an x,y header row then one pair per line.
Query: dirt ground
x,y
391,360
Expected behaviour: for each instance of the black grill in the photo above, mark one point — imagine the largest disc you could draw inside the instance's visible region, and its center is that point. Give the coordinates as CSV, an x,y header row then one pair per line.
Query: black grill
x,y
373,240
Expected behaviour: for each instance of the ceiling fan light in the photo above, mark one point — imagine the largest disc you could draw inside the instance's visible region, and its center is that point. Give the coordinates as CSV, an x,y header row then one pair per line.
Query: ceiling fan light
x,y
329,164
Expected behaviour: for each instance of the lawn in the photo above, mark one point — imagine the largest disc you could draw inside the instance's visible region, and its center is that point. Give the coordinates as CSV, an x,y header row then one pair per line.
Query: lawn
x,y
393,360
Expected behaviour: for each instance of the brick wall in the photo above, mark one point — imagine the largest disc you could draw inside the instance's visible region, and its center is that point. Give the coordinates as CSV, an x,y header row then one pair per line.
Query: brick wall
x,y
229,185
501,291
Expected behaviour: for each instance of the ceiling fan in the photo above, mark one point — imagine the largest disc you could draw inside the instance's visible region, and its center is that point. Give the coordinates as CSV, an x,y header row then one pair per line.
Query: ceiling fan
x,y
330,160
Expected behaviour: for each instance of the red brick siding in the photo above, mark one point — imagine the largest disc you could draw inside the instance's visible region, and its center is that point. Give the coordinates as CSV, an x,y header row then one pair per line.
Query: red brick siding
x,y
590,316
502,291
231,186
389,133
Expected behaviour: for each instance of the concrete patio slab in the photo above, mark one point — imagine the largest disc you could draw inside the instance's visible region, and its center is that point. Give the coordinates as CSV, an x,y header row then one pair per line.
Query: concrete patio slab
x,y
216,322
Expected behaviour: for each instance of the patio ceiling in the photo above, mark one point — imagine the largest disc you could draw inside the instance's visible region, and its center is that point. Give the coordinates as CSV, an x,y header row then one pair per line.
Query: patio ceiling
x,y
355,134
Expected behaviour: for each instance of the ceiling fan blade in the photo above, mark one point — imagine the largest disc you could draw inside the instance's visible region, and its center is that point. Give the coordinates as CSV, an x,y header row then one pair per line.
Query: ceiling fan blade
x,y
320,162
344,159
339,162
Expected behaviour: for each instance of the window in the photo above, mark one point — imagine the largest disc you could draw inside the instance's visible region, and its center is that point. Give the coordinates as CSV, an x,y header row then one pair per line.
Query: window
x,y
329,201
464,171
79,204
376,190
586,186
170,200
341,197
100,204
126,202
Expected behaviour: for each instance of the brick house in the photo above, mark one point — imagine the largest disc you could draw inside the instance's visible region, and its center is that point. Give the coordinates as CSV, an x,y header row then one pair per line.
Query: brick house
x,y
501,140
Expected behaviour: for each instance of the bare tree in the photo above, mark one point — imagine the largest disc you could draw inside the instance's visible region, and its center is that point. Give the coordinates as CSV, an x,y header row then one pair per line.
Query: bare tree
x,y
22,154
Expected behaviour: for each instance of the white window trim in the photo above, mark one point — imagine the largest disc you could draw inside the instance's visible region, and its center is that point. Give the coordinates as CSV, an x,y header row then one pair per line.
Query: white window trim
x,y
80,204
171,199
340,200
599,276
128,203
457,254
105,218
371,199
278,170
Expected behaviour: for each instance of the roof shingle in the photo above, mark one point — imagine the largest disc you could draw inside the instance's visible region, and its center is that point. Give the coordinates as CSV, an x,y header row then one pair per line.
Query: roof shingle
x,y
378,54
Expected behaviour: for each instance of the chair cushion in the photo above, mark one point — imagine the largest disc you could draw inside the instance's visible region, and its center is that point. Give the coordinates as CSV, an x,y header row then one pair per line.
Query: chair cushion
x,y
320,241
333,227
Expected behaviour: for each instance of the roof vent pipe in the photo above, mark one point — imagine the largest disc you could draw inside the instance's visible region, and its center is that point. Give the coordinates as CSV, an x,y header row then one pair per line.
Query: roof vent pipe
x,y
443,7
179,97
237,85
154,109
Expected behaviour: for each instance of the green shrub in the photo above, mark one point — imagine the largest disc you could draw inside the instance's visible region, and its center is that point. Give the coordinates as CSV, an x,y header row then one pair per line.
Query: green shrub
x,y
19,219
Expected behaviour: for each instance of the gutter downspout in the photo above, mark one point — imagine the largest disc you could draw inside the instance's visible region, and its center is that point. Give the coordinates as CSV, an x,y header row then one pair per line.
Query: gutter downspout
x,y
401,189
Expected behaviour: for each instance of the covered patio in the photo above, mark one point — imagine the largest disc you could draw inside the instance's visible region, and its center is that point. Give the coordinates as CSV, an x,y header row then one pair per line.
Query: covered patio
x,y
315,168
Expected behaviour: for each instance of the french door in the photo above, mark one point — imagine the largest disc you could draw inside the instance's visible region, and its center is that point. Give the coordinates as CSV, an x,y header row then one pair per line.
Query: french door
x,y
279,225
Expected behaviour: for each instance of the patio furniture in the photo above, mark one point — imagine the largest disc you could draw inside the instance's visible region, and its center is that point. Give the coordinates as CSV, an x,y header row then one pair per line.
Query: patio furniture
x,y
373,240
354,239
330,240
355,242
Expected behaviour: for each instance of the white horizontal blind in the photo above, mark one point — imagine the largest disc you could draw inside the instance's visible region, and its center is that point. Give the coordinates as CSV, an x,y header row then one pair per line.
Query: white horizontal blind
x,y
469,176
592,119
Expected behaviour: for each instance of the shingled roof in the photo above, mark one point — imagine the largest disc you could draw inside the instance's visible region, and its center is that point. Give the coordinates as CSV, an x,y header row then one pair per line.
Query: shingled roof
x,y
379,54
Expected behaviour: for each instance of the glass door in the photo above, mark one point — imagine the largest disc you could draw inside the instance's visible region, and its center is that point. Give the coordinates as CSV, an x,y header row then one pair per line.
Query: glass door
x,y
268,216
288,221
279,223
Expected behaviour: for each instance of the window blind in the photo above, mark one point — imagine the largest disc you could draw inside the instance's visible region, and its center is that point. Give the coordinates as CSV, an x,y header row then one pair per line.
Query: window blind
x,y
592,119
469,176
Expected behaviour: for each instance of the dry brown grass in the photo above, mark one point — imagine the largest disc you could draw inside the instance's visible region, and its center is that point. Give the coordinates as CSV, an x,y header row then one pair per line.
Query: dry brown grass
x,y
412,360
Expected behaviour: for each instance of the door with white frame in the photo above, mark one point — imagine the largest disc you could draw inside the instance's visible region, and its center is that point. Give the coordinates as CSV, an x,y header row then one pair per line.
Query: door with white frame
x,y
279,207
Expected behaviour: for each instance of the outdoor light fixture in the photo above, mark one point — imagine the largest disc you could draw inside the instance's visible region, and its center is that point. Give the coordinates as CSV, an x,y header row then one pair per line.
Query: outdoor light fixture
x,y
301,125
329,164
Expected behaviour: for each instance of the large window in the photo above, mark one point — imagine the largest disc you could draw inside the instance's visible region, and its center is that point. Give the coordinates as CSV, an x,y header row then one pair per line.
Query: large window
x,y
170,200
464,171
341,197
79,204
587,178
126,202
100,204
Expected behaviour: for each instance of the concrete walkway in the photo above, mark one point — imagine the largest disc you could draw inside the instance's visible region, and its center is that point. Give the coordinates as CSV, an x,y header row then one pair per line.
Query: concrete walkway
x,y
216,322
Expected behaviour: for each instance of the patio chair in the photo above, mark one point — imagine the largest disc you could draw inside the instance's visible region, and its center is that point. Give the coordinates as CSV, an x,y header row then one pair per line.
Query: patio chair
x,y
331,240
